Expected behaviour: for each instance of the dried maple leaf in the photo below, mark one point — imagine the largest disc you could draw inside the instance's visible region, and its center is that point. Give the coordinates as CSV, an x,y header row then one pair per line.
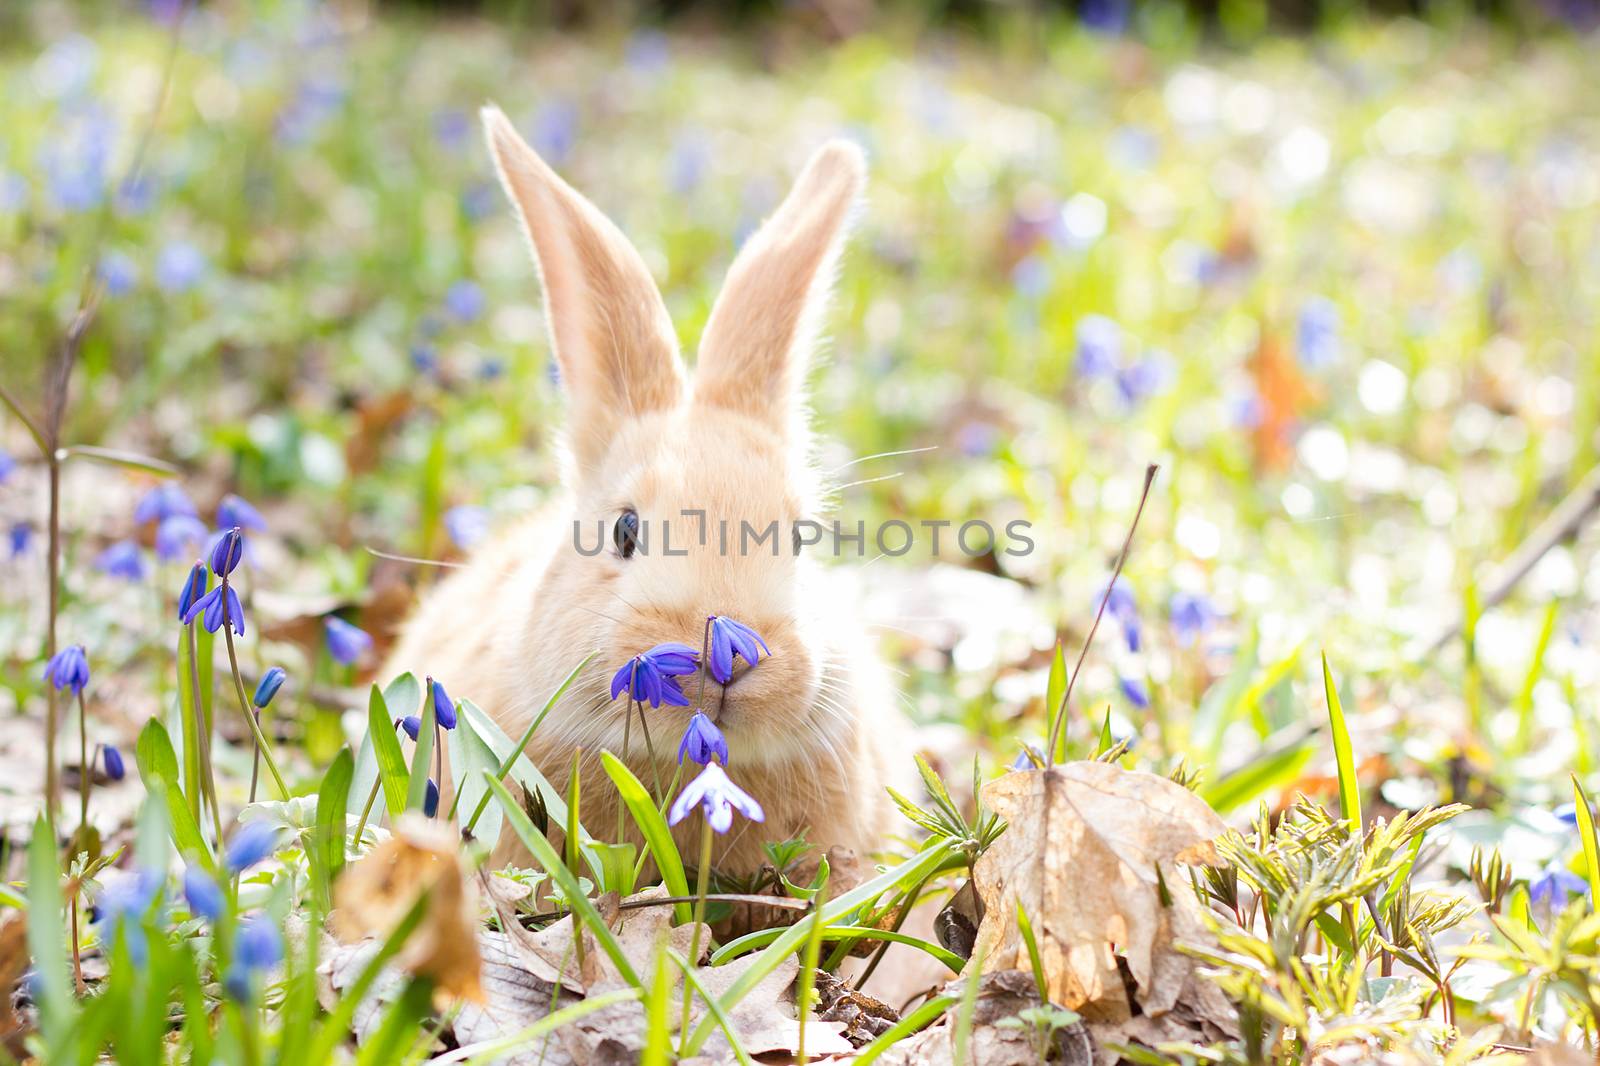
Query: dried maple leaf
x,y
375,893
1086,852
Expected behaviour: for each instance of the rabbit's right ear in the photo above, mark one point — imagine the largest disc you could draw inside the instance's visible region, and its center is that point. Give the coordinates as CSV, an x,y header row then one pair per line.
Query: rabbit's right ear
x,y
612,336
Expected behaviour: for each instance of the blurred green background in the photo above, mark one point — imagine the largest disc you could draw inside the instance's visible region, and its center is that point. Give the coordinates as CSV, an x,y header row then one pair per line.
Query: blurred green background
x,y
1335,269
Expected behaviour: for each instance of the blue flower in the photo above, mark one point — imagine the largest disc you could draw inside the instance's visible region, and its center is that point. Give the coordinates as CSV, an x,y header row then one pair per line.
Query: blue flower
x,y
1022,762
423,358
257,948
20,536
717,797
1141,380
179,266
430,800
226,552
346,643
412,725
119,273
652,675
466,525
1104,16
1317,333
194,587
125,904
164,501
268,687
1567,813
465,300
451,126
252,842
1135,692
7,465
730,638
236,511
68,668
555,130
1125,612
1192,615
204,896
217,609
122,559
702,742
1099,346
179,536
1554,886
111,758
444,708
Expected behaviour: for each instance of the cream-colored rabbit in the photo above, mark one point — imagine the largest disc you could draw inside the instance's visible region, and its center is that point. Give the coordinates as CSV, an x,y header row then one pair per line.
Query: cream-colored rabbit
x,y
813,728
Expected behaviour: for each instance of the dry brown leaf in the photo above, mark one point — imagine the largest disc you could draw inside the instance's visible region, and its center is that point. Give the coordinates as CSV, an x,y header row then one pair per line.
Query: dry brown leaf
x,y
864,1018
1081,854
1002,995
13,963
376,892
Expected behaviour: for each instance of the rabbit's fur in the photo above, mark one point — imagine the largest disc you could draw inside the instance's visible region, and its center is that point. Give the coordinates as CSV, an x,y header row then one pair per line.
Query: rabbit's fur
x,y
812,729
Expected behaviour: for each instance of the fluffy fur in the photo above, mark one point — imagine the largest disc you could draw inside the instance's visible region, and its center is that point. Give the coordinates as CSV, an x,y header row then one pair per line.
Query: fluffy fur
x,y
813,728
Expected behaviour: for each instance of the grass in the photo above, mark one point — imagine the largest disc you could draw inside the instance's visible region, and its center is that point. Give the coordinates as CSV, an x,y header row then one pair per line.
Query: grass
x,y
1345,305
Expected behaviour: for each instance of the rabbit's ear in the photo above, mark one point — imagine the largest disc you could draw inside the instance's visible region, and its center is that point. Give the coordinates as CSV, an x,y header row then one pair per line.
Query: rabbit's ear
x,y
758,340
613,339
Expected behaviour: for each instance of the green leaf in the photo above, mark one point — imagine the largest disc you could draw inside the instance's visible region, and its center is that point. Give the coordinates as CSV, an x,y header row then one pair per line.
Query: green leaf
x,y
470,756
692,975
47,943
335,1028
332,804
1530,680
188,717
404,694
847,934
653,827
386,746
1344,755
1055,688
1269,770
158,766
117,457
1103,745
1025,927
914,1022
1591,844
583,908
421,759
657,1014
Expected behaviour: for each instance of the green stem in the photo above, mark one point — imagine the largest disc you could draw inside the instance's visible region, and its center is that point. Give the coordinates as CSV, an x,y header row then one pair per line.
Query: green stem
x,y
702,879
86,772
372,797
52,780
244,701
202,727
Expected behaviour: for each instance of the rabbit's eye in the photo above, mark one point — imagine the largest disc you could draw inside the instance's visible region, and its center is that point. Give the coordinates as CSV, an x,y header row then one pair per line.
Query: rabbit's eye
x,y
625,533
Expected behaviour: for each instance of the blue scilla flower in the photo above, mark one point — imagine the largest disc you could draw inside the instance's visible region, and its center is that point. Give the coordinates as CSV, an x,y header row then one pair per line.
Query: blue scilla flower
x,y
179,266
465,300
1567,814
466,525
346,643
227,551
179,536
1317,333
194,588
123,907
1122,608
256,949
164,501
268,686
219,605
68,668
702,742
444,708
1099,346
730,638
1023,762
111,760
235,511
7,466
122,559
451,127
717,797
119,273
203,894
1134,690
424,360
1191,615
19,536
650,677
430,799
412,725
252,842
1554,885
555,130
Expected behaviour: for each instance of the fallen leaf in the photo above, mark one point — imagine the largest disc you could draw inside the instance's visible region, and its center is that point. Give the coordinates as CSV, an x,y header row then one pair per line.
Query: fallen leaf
x,y
1002,995
13,963
373,895
864,1018
1086,850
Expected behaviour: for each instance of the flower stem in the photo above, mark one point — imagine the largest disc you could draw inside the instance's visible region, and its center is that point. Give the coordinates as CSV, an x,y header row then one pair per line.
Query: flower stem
x,y
52,781
650,753
86,771
627,746
203,731
244,701
702,879
372,797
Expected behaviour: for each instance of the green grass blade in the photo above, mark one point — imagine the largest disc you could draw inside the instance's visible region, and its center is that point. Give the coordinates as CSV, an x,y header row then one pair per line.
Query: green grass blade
x,y
1025,927
1591,844
844,934
193,789
421,759
328,840
546,855
658,1013
1530,680
1103,745
1343,753
657,837
691,975
470,756
158,766
1269,770
914,1022
391,760
47,943
335,1028
1056,688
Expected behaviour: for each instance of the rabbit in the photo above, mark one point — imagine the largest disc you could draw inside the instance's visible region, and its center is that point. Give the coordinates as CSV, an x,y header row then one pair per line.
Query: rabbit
x,y
813,730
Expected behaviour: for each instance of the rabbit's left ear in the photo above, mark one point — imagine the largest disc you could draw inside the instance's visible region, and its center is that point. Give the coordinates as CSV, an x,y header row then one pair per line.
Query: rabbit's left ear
x,y
758,340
